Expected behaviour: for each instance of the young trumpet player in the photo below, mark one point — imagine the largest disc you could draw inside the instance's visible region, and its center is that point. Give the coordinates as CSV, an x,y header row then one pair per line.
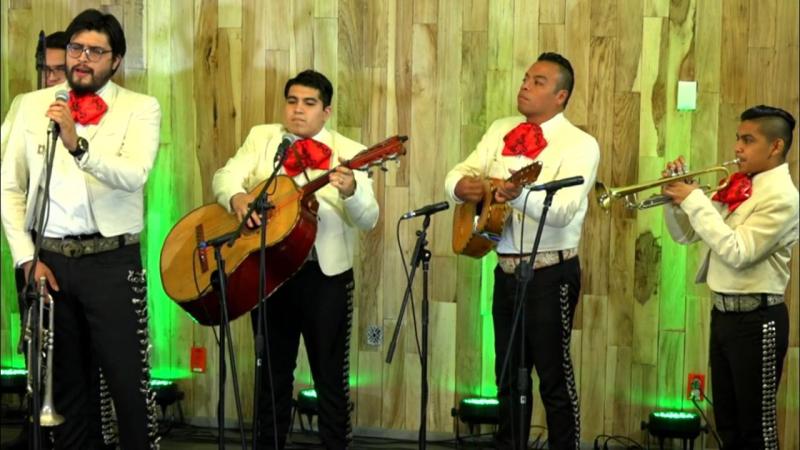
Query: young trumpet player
x,y
749,228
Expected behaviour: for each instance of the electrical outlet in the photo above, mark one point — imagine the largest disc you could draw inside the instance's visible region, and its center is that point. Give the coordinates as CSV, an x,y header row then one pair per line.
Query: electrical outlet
x,y
696,386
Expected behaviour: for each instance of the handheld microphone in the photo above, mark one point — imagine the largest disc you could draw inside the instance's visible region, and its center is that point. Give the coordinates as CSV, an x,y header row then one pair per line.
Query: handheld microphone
x,y
426,210
558,184
286,142
53,127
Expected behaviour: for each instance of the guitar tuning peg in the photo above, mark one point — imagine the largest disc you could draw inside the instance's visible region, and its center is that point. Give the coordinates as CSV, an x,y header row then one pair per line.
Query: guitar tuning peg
x,y
383,167
369,174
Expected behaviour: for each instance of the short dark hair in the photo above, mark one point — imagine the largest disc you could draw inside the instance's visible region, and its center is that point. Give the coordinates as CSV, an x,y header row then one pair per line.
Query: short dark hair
x,y
567,79
775,123
56,40
312,79
94,20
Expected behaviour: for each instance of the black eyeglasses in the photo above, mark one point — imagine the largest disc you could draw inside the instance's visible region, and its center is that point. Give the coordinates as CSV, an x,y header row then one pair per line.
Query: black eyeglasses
x,y
55,70
92,53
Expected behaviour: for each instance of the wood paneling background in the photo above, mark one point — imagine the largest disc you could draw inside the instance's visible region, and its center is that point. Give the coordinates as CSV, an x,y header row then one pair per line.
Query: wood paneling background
x,y
440,71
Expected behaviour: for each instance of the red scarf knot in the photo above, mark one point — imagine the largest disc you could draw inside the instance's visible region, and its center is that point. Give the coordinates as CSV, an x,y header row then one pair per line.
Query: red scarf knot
x,y
525,139
87,109
307,154
739,189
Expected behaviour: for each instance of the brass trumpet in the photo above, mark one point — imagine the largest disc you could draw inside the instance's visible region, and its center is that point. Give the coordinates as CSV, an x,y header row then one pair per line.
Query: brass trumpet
x,y
48,417
606,195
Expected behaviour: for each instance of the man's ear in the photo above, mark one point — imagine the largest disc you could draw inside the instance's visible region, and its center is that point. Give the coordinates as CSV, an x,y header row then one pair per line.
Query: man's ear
x,y
776,148
116,63
562,96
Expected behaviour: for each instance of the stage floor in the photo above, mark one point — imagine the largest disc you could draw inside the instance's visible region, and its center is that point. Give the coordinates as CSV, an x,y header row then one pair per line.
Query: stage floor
x,y
196,438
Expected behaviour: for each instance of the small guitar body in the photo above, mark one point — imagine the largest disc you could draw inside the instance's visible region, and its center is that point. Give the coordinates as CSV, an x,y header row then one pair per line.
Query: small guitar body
x,y
478,226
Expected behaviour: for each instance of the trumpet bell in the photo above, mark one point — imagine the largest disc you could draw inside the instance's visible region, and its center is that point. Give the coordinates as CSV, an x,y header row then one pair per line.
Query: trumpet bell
x,y
48,417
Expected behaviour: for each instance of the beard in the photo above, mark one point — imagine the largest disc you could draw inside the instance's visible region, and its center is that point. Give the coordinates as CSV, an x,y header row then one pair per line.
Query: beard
x,y
90,82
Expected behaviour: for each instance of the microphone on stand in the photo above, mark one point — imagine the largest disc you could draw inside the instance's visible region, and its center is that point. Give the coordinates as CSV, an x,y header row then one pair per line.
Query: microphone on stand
x,y
53,127
426,210
558,184
286,142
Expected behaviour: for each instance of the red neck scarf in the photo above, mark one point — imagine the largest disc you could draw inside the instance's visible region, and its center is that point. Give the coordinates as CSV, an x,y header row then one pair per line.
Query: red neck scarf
x,y
307,154
87,109
525,139
739,189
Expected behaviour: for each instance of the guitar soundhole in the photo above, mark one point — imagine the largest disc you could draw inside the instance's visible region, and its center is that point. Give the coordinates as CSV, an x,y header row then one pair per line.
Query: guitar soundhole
x,y
202,250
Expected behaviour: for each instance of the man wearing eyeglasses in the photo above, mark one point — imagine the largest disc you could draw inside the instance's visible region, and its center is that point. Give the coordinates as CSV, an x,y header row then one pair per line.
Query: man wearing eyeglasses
x,y
107,139
55,72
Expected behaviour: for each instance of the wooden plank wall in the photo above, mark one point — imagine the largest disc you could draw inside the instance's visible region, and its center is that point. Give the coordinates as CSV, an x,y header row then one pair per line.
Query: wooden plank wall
x,y
440,71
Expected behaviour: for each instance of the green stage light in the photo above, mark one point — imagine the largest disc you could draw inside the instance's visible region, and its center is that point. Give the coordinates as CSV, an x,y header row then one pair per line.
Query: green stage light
x,y
307,405
673,425
13,381
477,410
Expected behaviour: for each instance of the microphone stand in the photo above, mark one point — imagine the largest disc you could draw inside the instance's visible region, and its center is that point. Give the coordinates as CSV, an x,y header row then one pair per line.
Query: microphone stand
x,y
221,283
421,254
524,274
263,205
41,75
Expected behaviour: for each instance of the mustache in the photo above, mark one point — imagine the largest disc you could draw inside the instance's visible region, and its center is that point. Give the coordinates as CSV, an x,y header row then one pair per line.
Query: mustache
x,y
83,68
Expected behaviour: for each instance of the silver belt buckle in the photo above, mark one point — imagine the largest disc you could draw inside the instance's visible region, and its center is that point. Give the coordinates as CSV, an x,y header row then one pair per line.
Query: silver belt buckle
x,y
71,248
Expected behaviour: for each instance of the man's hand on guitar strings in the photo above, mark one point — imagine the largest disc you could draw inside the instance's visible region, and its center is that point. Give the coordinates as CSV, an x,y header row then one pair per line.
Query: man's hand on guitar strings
x,y
470,189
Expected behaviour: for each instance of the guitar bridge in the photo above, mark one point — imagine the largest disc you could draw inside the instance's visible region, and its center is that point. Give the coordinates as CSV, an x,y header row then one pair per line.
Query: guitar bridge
x,y
202,249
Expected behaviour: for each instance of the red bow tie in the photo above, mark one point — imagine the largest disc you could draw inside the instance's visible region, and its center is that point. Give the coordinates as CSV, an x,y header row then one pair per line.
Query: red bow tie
x,y
739,189
307,154
525,139
87,109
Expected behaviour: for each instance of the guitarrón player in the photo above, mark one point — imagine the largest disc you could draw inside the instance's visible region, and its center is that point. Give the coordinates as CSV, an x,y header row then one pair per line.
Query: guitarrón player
x,y
317,302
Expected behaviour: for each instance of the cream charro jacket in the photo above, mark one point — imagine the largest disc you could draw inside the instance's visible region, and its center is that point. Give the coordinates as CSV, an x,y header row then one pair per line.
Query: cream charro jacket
x,y
748,249
122,149
338,219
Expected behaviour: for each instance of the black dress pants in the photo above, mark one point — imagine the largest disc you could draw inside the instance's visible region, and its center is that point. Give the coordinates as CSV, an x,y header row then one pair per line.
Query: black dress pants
x,y
550,306
746,354
101,317
319,308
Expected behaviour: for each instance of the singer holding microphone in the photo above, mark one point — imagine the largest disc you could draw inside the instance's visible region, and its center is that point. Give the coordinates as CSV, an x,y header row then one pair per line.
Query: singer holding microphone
x,y
106,139
543,134
317,302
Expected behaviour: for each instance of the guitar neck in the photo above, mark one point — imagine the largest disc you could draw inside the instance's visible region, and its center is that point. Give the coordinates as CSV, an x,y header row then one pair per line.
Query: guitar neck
x,y
316,184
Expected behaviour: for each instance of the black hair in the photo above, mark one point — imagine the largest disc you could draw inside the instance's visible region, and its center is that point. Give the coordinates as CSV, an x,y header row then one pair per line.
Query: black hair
x,y
567,79
94,20
312,79
57,40
775,123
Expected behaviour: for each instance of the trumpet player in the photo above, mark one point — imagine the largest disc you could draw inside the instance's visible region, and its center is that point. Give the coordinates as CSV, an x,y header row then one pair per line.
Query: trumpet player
x,y
749,228
106,143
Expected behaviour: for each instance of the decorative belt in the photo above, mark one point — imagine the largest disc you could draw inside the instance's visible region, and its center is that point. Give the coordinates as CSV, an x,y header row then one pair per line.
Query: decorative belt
x,y
509,263
744,302
77,246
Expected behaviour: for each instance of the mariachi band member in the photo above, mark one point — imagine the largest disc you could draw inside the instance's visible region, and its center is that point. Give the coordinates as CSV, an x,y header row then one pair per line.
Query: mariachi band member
x,y
748,228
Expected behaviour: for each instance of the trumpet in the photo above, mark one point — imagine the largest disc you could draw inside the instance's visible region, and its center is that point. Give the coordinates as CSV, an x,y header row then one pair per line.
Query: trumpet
x,y
606,195
43,356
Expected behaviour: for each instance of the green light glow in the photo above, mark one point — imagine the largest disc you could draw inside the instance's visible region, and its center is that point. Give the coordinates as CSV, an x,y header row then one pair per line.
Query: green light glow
x,y
488,386
481,401
12,372
160,383
675,415
308,393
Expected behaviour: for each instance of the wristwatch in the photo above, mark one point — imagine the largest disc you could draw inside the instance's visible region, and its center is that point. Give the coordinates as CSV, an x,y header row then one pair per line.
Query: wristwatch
x,y
80,149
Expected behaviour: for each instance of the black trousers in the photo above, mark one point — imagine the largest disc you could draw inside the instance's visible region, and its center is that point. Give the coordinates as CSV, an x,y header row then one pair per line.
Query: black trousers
x,y
550,306
746,355
101,318
319,308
